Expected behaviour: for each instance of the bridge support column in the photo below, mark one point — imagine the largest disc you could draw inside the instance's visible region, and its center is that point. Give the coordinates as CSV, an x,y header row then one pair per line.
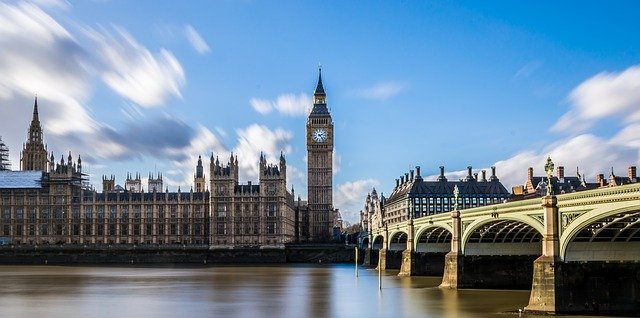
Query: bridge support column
x,y
382,254
546,269
370,258
453,261
408,266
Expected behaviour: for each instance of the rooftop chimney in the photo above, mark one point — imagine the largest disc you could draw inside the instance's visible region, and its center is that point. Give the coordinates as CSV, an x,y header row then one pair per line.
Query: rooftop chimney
x,y
484,175
530,173
631,172
401,179
560,173
469,170
600,179
406,177
411,175
418,171
442,177
493,174
475,176
397,183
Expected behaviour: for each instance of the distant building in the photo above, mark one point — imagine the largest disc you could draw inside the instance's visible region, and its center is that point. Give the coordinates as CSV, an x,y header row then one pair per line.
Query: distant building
x,y
371,216
413,197
536,186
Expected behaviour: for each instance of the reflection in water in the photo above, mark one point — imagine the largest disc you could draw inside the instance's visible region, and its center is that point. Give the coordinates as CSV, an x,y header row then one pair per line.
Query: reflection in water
x,y
238,291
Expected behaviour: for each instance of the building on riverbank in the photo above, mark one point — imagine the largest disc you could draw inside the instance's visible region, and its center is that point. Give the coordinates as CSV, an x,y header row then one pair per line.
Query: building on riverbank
x,y
414,197
51,202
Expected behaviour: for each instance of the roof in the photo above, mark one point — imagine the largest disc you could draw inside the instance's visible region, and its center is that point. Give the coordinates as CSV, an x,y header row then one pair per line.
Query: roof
x,y
419,187
21,179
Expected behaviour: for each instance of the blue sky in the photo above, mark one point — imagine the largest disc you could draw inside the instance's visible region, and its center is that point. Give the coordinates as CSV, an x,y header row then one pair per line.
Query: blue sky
x,y
149,85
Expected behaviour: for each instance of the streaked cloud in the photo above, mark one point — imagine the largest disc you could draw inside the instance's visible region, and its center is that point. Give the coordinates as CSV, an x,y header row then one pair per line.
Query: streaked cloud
x,y
528,69
135,73
382,91
197,42
603,95
287,104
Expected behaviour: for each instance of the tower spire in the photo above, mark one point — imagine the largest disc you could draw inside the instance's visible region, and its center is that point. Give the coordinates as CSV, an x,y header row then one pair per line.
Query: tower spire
x,y
35,110
319,88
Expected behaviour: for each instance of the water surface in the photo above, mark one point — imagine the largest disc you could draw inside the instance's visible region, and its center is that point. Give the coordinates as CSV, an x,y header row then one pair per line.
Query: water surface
x,y
239,291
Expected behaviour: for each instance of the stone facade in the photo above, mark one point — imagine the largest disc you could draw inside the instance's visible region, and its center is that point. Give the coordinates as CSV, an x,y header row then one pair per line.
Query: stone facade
x,y
251,214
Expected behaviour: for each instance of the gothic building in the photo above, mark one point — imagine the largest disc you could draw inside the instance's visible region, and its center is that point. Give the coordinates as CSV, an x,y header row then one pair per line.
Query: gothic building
x,y
50,203
320,167
250,214
34,152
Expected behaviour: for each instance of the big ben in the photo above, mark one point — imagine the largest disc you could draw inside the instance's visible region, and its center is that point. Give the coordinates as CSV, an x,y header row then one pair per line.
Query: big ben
x,y
320,166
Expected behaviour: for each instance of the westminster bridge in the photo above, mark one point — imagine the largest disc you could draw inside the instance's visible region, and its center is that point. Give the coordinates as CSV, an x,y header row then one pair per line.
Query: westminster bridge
x,y
578,252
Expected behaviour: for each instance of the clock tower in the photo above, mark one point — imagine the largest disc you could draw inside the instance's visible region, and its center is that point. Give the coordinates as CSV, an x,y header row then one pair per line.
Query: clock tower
x,y
320,166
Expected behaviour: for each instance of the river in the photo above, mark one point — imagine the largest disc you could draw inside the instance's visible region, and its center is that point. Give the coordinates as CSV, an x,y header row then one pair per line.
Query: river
x,y
239,291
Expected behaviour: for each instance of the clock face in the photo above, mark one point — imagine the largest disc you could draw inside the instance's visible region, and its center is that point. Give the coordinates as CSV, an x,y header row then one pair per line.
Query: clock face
x,y
319,135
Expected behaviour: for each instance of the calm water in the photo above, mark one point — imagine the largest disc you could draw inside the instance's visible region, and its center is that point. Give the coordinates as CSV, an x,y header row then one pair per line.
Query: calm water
x,y
278,291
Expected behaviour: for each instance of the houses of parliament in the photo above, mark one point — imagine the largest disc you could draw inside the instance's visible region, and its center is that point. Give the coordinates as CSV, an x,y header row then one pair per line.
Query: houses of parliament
x,y
50,201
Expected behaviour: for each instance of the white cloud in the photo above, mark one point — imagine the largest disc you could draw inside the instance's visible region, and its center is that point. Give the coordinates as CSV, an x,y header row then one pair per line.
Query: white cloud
x,y
349,197
590,153
132,71
382,91
197,42
603,95
288,104
337,162
255,139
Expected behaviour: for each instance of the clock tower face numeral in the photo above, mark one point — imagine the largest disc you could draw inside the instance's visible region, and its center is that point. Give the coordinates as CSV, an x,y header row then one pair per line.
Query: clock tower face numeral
x,y
319,135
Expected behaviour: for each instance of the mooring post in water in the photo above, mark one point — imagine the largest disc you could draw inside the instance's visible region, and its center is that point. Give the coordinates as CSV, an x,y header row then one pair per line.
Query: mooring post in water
x,y
379,275
356,261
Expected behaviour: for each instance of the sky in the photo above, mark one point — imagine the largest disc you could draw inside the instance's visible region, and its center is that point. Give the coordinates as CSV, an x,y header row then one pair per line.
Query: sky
x,y
148,86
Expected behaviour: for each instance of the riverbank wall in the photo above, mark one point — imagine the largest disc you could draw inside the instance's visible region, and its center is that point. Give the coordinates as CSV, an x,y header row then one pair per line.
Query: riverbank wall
x,y
179,254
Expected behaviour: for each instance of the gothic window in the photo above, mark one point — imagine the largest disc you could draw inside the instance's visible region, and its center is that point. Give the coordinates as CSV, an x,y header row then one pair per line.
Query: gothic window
x,y
88,213
222,210
271,228
222,229
272,210
112,212
100,212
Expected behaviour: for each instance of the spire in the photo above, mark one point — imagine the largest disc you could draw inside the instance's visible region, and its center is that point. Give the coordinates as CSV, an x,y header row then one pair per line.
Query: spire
x,y
319,88
35,110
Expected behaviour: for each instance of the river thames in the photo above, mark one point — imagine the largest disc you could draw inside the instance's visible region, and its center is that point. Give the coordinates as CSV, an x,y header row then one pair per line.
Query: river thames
x,y
239,291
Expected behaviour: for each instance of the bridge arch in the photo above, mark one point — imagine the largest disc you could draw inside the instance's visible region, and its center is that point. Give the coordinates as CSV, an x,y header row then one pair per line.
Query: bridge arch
x,y
433,238
378,242
397,241
603,235
523,232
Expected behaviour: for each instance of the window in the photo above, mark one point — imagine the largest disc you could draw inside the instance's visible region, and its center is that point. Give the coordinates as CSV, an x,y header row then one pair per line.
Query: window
x,y
272,210
112,229
222,229
112,212
101,213
6,214
44,213
185,212
88,213
19,214
76,213
271,228
124,213
87,229
149,212
222,210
